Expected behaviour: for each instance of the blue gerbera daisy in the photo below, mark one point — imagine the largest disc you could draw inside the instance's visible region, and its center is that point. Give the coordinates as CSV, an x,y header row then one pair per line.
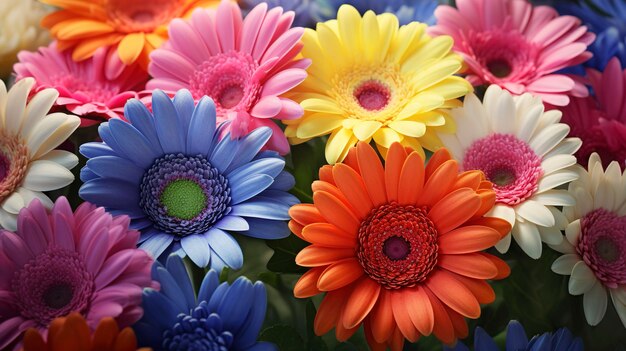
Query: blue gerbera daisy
x,y
609,26
223,317
516,340
301,8
407,11
185,187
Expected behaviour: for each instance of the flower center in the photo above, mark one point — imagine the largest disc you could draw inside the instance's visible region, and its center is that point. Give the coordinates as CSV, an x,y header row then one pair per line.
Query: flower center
x,y
229,79
602,245
85,90
13,164
184,195
142,15
201,330
397,245
372,95
509,163
52,285
499,68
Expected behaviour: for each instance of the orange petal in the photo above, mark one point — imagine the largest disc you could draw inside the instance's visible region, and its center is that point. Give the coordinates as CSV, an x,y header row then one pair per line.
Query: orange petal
x,y
499,224
453,293
372,172
381,317
328,235
78,28
454,209
458,323
105,334
328,312
420,310
411,180
437,159
326,174
469,179
340,274
74,335
80,7
296,228
468,239
393,167
342,333
503,268
371,342
361,302
353,188
131,46
487,201
332,189
397,340
481,289
439,184
336,212
401,315
305,214
86,48
351,160
55,18
33,341
472,265
126,340
443,328
306,286
314,256
55,329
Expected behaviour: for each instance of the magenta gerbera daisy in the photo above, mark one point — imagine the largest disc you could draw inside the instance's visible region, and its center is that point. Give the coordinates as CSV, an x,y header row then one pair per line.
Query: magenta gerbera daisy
x,y
517,46
243,65
95,89
58,262
600,120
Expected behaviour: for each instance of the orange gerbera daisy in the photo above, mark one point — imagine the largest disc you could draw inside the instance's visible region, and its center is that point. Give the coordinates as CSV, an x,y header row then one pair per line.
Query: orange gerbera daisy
x,y
137,26
71,333
398,248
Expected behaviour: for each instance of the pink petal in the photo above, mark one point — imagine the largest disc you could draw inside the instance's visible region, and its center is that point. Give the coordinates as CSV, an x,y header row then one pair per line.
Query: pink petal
x,y
554,99
554,30
557,59
283,81
226,25
169,64
186,40
284,43
553,83
251,27
267,107
267,31
202,21
290,110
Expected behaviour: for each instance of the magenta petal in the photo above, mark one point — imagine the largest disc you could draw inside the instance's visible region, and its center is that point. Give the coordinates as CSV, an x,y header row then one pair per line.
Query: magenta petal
x,y
265,36
267,107
15,248
251,27
284,43
283,81
290,110
113,267
10,329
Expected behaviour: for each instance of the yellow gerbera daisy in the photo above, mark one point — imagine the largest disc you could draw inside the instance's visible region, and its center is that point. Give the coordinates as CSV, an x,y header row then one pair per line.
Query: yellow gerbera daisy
x,y
371,79
138,26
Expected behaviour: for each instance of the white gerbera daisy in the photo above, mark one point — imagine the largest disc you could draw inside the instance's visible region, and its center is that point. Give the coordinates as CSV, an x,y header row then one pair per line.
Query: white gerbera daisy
x,y
595,249
522,149
28,136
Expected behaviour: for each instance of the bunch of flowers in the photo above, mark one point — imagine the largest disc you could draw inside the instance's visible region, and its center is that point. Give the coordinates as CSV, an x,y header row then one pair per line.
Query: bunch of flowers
x,y
219,175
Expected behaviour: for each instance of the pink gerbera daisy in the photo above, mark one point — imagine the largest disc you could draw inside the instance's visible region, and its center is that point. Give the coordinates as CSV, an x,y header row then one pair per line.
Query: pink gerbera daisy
x,y
600,120
95,89
58,262
516,46
243,65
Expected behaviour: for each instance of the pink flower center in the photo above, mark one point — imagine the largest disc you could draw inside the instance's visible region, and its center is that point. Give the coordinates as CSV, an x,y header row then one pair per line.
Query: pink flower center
x,y
509,163
13,164
602,245
52,285
142,15
229,79
397,245
85,90
501,55
372,95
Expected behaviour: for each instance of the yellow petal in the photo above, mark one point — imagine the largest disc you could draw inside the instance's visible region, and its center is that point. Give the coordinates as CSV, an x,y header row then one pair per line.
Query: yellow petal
x,y
433,49
386,136
415,145
321,105
86,48
317,124
431,118
406,35
130,47
338,145
430,141
80,28
364,130
370,39
388,26
333,47
451,88
349,22
154,40
434,73
421,103
409,128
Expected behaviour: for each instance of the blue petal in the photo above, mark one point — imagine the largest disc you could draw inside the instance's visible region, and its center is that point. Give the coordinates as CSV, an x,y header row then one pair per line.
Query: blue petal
x,y
284,181
236,304
176,267
167,122
577,345
132,143
134,212
116,168
249,188
184,104
170,288
141,118
262,208
224,152
159,309
107,136
197,248
249,331
280,196
483,342
226,247
234,223
250,146
208,286
267,229
87,174
111,193
561,340
156,244
217,263
201,128
93,149
541,343
516,336
270,166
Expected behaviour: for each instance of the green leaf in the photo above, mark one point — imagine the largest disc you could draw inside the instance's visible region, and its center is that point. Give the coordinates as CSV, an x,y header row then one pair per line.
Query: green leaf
x,y
285,251
284,336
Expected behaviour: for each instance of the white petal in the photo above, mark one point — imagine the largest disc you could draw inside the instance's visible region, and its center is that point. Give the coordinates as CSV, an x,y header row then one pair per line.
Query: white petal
x,y
29,195
37,108
16,103
503,245
564,247
14,203
557,162
594,304
550,235
46,176
50,133
582,279
560,221
503,211
451,142
62,157
584,202
3,102
553,180
548,138
535,212
555,198
527,123
604,196
572,232
527,237
568,146
564,264
503,117
620,307
8,221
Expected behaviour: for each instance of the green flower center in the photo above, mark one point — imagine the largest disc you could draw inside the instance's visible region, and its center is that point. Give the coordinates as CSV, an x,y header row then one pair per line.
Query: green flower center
x,y
183,199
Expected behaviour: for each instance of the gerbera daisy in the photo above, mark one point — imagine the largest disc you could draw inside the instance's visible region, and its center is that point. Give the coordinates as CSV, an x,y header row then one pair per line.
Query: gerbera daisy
x,y
595,249
29,164
59,262
183,187
516,340
397,248
302,9
517,46
20,30
136,27
600,120
95,89
372,80
407,11
524,152
223,316
71,333
243,65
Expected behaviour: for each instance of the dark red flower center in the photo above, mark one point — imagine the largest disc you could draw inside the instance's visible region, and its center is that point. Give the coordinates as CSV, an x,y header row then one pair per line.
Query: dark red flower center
x,y
372,95
499,68
397,245
4,166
